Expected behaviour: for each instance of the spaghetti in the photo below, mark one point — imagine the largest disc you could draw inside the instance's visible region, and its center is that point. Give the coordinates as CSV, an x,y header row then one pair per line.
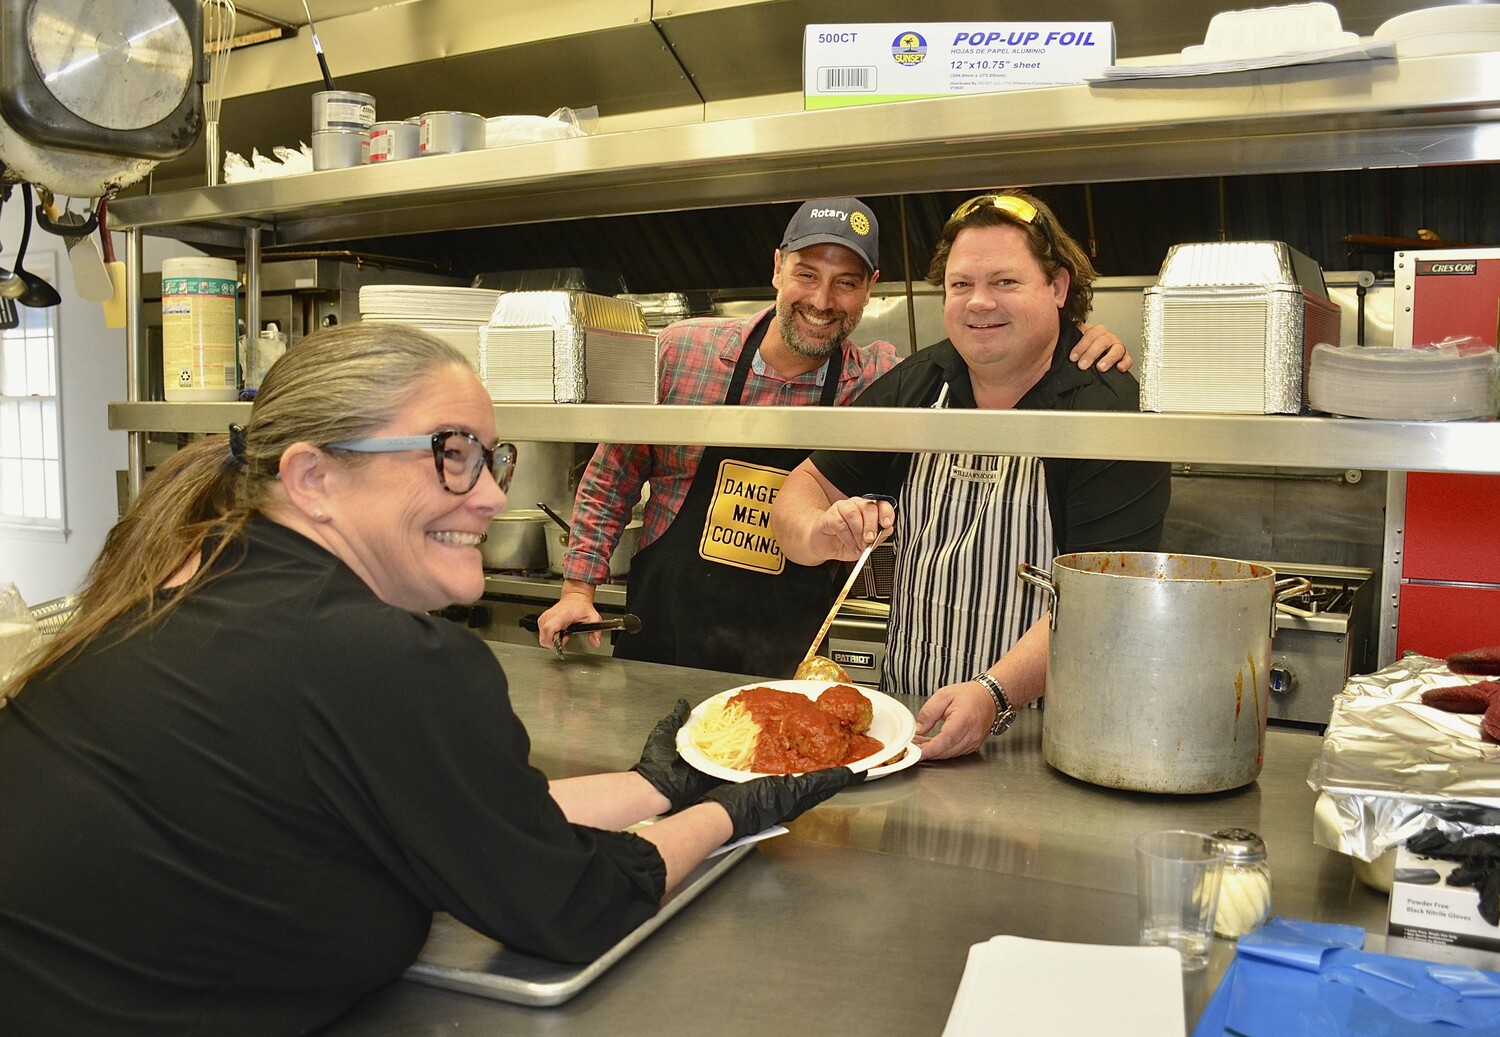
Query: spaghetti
x,y
727,734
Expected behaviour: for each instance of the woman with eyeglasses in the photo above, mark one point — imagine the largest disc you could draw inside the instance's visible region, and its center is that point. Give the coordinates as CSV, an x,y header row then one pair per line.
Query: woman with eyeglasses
x,y
235,788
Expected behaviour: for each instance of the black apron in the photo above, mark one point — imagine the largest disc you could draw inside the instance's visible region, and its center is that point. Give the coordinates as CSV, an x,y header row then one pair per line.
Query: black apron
x,y
715,591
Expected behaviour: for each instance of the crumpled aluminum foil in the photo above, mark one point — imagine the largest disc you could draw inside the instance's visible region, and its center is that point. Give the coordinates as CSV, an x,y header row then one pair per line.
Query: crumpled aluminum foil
x,y
1392,767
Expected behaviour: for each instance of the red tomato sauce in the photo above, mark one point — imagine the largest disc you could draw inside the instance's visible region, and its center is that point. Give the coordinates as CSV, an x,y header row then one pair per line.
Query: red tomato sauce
x,y
797,735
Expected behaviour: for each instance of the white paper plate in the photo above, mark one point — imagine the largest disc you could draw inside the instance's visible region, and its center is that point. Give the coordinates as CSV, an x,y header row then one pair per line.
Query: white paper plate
x,y
913,754
891,723
1455,29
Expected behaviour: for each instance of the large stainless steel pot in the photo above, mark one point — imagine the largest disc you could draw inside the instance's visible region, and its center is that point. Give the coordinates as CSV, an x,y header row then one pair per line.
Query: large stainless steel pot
x,y
542,474
1157,669
619,560
516,540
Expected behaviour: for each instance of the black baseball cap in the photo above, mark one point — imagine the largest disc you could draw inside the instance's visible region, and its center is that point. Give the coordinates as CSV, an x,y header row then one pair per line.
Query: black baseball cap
x,y
835,221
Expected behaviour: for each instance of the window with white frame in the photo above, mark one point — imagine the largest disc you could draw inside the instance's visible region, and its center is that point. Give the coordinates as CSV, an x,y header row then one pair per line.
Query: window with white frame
x,y
31,468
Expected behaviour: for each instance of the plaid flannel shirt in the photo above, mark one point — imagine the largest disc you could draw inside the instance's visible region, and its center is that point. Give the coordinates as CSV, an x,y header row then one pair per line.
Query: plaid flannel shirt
x,y
695,362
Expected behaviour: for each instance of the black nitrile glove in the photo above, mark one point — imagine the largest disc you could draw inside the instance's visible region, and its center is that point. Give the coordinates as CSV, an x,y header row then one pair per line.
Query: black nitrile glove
x,y
757,804
661,765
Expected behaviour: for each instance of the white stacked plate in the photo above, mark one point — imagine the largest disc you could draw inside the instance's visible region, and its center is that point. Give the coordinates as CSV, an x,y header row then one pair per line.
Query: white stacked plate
x,y
1430,384
452,314
1456,29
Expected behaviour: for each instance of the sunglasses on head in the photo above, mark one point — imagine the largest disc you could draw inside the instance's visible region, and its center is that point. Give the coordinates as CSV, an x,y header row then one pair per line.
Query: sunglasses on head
x,y
1016,208
459,456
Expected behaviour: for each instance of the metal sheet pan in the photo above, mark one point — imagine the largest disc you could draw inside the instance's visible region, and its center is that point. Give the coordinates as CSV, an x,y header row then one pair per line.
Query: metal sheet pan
x,y
456,957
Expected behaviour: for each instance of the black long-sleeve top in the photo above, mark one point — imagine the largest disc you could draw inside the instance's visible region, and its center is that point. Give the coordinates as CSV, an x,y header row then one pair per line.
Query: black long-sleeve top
x,y
241,820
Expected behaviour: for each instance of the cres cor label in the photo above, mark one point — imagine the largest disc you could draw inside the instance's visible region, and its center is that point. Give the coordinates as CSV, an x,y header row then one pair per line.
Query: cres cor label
x,y
738,530
1447,267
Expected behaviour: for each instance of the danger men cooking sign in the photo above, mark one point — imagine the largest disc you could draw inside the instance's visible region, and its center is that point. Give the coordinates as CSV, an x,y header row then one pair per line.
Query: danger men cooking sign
x,y
738,529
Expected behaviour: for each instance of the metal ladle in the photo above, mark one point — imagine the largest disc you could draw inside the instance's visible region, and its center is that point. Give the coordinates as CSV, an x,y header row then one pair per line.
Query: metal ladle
x,y
820,667
38,292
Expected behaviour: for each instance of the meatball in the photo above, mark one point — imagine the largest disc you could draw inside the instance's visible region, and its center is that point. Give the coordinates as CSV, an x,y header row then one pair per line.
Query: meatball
x,y
815,735
848,707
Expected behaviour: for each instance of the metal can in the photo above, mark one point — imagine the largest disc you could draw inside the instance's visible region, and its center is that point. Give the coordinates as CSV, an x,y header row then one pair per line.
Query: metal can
x,y
446,133
342,110
338,149
392,141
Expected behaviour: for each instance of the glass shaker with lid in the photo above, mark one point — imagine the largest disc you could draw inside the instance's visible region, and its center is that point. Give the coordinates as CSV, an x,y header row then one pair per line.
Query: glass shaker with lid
x,y
1245,889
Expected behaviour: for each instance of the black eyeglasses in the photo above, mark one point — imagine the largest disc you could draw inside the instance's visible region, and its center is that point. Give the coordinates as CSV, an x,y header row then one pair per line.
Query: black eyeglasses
x,y
1017,208
459,456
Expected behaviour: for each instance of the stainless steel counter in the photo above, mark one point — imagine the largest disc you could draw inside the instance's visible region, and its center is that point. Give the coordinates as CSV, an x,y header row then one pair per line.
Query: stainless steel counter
x,y
863,916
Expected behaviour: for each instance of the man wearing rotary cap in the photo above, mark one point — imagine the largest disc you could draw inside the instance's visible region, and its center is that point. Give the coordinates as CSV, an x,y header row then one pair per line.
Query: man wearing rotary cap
x,y
709,582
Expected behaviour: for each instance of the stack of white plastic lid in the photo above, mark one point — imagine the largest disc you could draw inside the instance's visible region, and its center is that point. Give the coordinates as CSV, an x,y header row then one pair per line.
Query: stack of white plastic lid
x,y
1457,29
1262,31
1446,382
449,313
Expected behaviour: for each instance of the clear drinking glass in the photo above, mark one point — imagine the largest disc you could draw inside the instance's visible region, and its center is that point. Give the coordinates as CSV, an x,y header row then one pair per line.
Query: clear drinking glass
x,y
1177,881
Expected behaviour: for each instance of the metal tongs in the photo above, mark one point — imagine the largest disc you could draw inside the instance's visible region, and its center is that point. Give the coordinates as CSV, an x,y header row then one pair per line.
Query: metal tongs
x,y
631,624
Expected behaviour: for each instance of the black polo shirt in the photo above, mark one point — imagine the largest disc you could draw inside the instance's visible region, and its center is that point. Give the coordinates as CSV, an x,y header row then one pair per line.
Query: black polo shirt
x,y
1095,505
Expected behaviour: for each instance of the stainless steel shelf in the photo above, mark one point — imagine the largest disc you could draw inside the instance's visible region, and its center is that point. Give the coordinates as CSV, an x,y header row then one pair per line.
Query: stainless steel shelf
x,y
1388,113
539,588
1461,446
1385,113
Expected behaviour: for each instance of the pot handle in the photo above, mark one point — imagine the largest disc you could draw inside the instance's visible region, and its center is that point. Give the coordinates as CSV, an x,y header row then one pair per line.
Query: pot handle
x,y
1285,589
1043,579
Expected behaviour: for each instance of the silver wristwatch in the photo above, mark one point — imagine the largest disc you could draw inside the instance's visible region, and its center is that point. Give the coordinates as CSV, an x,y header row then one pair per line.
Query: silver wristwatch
x,y
1004,714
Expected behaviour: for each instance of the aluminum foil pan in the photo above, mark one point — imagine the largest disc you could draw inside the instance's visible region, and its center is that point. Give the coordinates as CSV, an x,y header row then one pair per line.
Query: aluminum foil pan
x,y
1227,327
1265,264
1224,350
559,309
567,347
1392,767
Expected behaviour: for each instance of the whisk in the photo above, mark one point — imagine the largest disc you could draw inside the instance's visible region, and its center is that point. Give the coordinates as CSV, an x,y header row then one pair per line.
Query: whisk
x,y
218,41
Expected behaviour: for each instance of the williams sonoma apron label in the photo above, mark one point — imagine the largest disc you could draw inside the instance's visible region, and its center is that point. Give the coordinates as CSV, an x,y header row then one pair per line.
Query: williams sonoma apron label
x,y
963,473
738,531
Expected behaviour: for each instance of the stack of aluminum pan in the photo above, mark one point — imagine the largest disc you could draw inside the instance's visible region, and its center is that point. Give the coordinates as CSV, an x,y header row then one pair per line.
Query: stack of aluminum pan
x,y
663,308
567,347
1229,326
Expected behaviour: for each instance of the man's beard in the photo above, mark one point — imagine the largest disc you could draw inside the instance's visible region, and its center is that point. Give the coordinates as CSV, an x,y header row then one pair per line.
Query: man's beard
x,y
843,326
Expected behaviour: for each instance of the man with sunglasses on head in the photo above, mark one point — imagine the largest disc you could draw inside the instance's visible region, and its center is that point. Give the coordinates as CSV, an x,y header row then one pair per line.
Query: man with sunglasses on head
x,y
1015,284
706,599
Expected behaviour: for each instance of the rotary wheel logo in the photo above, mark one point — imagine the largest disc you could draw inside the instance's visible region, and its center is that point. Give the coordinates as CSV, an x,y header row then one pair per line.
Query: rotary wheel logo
x,y
859,224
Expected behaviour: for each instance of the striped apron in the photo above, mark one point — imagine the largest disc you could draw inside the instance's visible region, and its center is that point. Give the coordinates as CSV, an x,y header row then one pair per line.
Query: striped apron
x,y
965,521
